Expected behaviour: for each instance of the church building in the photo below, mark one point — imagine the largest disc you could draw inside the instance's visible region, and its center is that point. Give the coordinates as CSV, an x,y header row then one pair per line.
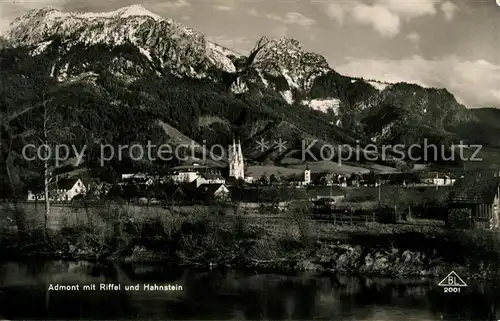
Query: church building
x,y
236,162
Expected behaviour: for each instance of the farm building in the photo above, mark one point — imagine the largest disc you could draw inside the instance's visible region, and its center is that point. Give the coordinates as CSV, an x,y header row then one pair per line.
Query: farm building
x,y
212,192
64,189
473,202
205,193
439,179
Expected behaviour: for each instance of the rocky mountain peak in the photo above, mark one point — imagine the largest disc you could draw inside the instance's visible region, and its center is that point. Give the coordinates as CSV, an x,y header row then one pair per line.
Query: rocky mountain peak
x,y
134,10
38,24
284,64
289,52
176,48
286,44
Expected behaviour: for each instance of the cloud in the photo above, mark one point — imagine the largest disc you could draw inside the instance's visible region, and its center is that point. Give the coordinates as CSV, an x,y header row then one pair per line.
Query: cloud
x,y
410,9
223,8
254,12
387,16
381,19
337,11
474,83
449,9
174,4
413,37
225,5
293,18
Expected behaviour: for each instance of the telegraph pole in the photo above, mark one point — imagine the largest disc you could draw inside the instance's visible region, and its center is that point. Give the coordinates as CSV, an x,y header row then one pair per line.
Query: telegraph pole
x,y
379,193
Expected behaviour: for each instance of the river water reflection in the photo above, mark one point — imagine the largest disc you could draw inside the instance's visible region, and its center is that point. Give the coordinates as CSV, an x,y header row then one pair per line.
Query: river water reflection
x,y
229,295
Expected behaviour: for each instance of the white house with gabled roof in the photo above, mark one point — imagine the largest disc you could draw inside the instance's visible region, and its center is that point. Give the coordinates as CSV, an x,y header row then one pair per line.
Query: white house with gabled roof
x,y
62,190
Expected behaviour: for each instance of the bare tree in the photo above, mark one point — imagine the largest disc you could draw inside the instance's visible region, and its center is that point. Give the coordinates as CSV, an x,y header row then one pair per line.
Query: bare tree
x,y
47,173
52,131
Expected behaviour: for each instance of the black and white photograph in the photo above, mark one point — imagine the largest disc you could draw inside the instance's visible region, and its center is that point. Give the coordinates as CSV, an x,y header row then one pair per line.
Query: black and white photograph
x,y
250,160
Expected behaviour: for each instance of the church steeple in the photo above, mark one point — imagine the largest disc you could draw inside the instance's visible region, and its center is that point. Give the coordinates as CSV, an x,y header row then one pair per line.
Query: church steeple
x,y
236,163
240,154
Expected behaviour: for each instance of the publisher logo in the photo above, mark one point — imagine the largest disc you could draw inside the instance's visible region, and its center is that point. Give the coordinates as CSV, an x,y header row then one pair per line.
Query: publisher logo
x,y
452,282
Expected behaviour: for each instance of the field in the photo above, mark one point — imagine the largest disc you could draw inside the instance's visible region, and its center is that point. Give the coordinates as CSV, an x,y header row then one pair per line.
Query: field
x,y
70,215
291,167
288,240
487,158
362,198
328,166
285,225
418,194
67,214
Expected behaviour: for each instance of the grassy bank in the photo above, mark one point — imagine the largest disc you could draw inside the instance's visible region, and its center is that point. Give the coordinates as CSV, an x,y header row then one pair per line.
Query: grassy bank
x,y
217,236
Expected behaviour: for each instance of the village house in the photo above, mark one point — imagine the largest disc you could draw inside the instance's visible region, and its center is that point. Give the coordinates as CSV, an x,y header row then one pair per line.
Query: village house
x,y
438,179
185,173
64,189
199,174
205,193
139,178
328,179
210,177
174,193
213,192
474,202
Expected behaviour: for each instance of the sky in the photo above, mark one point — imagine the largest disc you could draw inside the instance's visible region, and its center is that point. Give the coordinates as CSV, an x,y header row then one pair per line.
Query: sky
x,y
453,44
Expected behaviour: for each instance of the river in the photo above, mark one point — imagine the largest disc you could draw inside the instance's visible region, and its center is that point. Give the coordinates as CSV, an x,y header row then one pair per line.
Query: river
x,y
216,294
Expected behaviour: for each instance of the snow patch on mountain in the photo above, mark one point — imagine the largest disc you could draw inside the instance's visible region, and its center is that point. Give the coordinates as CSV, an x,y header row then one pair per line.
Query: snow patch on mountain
x,y
130,11
239,87
378,85
262,78
323,105
146,53
291,82
220,58
287,96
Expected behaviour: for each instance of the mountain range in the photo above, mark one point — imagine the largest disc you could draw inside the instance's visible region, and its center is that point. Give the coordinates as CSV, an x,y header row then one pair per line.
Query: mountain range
x,y
132,76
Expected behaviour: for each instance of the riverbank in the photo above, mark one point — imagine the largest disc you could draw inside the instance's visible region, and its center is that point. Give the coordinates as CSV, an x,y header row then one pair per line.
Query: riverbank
x,y
215,238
